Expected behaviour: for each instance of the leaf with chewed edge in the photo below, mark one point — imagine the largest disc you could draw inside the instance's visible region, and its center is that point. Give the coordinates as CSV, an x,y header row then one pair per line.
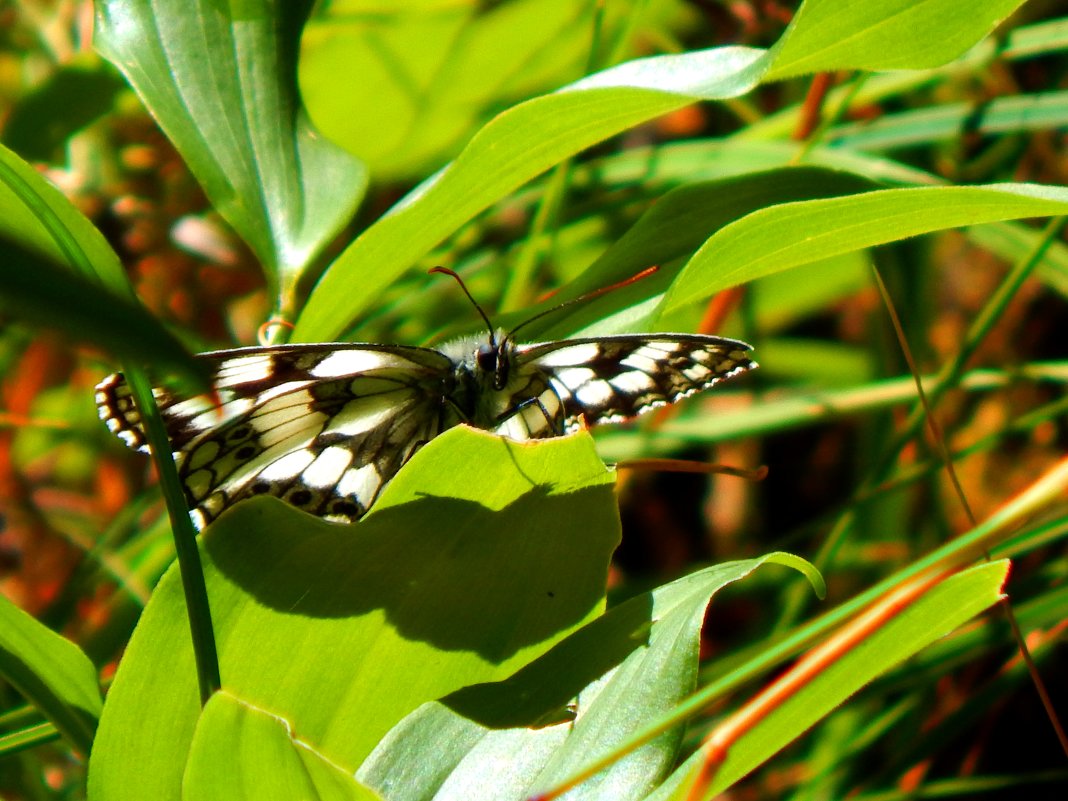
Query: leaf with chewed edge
x,y
479,556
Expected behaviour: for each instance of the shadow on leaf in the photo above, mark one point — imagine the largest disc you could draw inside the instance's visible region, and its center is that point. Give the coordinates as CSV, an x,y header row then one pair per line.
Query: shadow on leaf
x,y
449,572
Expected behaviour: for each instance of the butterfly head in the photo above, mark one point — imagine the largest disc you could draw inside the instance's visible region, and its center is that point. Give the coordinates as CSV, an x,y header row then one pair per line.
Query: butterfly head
x,y
492,359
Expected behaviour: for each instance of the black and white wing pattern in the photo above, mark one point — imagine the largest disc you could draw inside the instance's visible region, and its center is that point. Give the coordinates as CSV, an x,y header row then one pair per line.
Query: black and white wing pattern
x,y
321,427
325,427
613,378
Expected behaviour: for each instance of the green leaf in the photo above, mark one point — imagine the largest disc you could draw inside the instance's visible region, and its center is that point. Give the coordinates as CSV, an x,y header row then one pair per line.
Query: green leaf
x,y
221,80
627,669
1013,242
58,272
52,673
479,556
677,225
884,34
948,122
243,753
775,239
34,214
511,149
40,292
937,613
527,139
432,70
74,96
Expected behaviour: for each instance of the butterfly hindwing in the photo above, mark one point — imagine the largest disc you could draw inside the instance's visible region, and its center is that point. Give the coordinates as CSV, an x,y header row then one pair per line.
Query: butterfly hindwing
x,y
322,428
613,378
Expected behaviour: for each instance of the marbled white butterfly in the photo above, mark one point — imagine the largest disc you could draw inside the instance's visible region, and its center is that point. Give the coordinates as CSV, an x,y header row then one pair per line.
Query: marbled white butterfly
x,y
326,426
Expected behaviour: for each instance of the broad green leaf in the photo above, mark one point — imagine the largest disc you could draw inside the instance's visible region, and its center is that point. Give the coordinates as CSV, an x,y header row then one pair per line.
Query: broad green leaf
x,y
1014,44
884,34
243,753
477,558
775,239
944,608
431,71
511,149
626,670
221,80
52,673
670,165
529,138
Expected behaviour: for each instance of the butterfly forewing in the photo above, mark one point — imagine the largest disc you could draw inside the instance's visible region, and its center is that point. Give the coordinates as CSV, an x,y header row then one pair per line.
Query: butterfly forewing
x,y
608,379
325,427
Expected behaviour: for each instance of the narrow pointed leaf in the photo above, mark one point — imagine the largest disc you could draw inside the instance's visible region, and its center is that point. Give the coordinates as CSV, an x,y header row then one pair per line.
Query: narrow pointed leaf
x,y
44,294
884,34
57,271
35,215
775,239
946,607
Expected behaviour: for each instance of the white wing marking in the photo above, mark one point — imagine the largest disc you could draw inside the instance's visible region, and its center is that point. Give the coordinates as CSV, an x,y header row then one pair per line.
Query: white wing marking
x,y
245,370
351,362
276,468
328,467
362,483
594,393
570,355
364,414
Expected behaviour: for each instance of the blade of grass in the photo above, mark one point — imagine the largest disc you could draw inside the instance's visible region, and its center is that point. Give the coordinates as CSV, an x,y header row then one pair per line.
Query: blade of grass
x,y
185,538
1001,525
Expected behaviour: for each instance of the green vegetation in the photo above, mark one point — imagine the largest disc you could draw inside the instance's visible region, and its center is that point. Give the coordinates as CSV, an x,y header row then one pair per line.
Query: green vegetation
x,y
511,617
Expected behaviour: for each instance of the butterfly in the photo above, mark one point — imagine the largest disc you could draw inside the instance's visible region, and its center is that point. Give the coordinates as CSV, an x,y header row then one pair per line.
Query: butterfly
x,y
326,426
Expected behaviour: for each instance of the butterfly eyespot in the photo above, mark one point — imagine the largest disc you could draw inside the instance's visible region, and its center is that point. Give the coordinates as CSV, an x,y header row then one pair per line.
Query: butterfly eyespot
x,y
246,452
260,488
299,498
239,433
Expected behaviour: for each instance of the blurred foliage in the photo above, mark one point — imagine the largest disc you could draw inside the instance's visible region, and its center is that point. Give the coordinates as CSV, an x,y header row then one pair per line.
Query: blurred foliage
x,y
403,87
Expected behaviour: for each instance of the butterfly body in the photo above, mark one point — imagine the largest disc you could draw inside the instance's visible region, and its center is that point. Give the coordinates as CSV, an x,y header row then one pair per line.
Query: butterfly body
x,y
326,426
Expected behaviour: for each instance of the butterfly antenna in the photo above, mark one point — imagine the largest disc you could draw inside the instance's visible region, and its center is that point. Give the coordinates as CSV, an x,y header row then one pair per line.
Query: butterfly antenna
x,y
470,297
583,298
